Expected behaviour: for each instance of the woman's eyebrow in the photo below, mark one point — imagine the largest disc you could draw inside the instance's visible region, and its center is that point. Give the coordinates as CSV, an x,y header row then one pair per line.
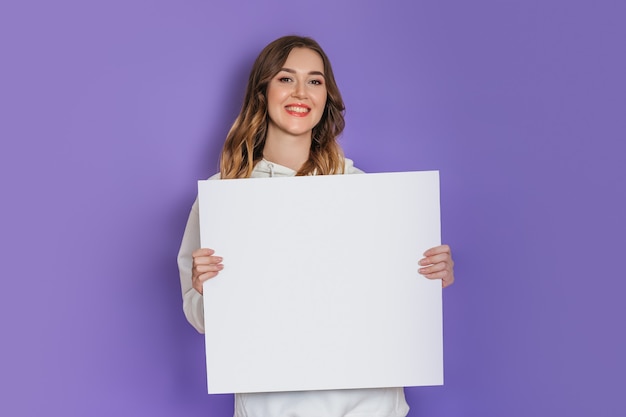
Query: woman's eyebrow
x,y
291,71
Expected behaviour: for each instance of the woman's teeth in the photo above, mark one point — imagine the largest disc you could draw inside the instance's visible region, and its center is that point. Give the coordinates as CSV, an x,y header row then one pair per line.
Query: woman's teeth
x,y
297,109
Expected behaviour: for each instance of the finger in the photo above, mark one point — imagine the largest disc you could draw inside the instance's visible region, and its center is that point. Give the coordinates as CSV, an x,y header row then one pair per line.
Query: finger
x,y
431,269
441,274
202,252
207,276
437,250
446,276
206,260
201,269
433,259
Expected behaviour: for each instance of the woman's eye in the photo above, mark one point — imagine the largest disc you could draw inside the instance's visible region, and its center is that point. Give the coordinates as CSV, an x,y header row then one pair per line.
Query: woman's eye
x,y
284,79
316,82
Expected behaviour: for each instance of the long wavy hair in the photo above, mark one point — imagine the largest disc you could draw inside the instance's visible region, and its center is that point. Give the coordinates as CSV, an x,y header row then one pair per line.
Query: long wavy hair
x,y
243,147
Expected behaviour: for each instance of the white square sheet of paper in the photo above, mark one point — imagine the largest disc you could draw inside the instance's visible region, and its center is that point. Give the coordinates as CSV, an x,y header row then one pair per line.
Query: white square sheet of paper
x,y
320,288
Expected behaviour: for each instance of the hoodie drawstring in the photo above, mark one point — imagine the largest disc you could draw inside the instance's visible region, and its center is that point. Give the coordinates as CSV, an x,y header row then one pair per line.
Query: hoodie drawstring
x,y
271,167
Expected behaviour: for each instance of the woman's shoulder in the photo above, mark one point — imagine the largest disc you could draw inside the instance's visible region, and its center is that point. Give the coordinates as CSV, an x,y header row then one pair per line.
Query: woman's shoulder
x,y
349,167
214,176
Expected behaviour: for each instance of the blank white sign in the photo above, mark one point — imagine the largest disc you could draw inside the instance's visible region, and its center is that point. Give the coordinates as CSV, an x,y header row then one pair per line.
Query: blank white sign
x,y
320,288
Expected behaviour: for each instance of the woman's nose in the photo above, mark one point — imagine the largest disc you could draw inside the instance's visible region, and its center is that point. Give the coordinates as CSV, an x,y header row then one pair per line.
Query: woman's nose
x,y
299,90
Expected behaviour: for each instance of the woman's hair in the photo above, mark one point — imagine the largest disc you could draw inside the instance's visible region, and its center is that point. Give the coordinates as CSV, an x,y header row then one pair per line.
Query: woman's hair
x,y
244,143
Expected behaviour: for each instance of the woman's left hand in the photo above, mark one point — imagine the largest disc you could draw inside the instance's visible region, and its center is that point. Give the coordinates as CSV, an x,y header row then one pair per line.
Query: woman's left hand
x,y
438,264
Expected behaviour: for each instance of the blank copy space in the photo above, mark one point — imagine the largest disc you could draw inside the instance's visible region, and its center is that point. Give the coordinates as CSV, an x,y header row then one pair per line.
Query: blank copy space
x,y
320,288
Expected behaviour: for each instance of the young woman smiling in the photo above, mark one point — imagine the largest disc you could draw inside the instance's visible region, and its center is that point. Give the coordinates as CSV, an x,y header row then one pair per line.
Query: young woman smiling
x,y
288,125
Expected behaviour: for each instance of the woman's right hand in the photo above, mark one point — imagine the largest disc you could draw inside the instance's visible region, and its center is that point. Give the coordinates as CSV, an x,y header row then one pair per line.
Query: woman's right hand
x,y
205,266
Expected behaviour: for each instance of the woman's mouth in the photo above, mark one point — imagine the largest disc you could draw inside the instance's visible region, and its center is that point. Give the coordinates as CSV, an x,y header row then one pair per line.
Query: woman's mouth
x,y
298,110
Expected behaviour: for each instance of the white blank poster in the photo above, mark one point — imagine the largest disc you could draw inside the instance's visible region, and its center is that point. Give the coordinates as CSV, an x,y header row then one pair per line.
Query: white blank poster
x,y
320,288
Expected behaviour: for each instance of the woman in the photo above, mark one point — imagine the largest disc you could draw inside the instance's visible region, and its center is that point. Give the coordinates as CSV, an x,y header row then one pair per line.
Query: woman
x,y
288,125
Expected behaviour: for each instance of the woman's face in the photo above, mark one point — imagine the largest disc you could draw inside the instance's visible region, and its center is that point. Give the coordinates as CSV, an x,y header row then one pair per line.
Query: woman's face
x,y
296,96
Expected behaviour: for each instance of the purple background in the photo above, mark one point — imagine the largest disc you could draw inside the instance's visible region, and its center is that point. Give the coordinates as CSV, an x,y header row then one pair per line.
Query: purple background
x,y
112,110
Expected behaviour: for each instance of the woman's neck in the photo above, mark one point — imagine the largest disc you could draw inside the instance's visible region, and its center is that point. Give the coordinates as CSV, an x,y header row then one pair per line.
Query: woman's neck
x,y
290,152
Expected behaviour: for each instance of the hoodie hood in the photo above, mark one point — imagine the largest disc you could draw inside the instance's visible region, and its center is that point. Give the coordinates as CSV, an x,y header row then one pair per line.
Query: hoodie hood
x,y
266,169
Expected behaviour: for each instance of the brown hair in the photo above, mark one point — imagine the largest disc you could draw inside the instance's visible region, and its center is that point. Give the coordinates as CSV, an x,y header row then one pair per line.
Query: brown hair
x,y
243,147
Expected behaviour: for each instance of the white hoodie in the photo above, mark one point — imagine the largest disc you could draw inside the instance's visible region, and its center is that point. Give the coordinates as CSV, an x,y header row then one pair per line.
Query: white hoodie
x,y
375,402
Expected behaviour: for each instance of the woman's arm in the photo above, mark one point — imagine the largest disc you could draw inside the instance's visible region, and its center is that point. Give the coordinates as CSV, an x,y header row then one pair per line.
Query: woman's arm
x,y
193,305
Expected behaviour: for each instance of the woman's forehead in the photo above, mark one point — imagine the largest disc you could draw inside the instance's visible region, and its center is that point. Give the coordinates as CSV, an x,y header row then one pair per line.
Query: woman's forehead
x,y
304,60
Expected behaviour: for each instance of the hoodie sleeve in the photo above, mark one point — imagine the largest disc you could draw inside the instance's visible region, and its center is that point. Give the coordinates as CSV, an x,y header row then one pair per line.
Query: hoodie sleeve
x,y
193,304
